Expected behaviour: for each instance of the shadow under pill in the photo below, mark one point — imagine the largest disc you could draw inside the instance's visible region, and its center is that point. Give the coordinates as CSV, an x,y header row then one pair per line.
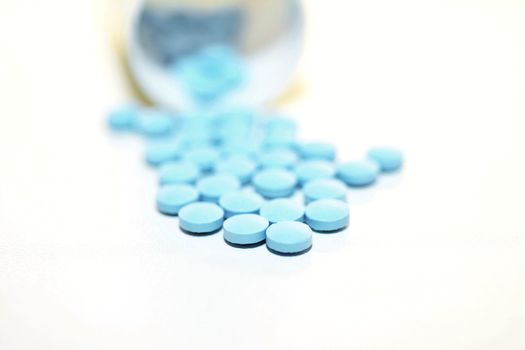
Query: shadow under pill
x,y
245,246
197,234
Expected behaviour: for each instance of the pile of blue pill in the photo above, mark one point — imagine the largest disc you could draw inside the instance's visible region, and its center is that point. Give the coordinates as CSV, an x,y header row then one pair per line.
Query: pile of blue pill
x,y
239,171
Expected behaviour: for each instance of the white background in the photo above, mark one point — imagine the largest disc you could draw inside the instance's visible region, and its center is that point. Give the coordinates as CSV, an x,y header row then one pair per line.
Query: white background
x,y
434,258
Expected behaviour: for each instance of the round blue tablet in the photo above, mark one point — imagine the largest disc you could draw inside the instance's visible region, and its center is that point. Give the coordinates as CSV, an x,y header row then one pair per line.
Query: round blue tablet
x,y
324,189
278,158
170,199
201,217
245,229
316,150
213,187
327,215
239,166
274,183
154,123
289,238
313,170
282,209
161,151
388,159
123,118
204,157
178,172
358,173
240,202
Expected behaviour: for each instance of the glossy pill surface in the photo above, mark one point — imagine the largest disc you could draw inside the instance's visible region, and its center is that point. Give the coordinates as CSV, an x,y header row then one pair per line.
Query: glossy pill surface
x,y
327,215
245,229
289,237
201,217
282,209
170,199
123,118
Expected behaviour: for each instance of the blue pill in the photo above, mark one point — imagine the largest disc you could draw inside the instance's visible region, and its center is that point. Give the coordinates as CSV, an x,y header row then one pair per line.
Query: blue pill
x,y
274,183
324,189
278,158
123,118
313,170
201,217
160,152
358,173
327,215
282,209
316,150
388,159
289,238
204,157
213,187
239,166
245,229
170,199
154,123
178,172
240,202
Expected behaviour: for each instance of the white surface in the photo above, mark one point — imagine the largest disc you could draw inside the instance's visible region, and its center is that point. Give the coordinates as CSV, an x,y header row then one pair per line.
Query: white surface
x,y
433,259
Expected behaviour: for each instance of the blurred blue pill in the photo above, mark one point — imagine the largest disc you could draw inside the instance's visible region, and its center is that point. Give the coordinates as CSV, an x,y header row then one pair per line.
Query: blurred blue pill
x,y
204,157
358,173
245,229
327,215
274,183
154,123
324,189
213,187
170,199
313,170
316,150
239,166
282,209
388,159
201,217
161,151
289,238
278,158
123,118
240,202
178,172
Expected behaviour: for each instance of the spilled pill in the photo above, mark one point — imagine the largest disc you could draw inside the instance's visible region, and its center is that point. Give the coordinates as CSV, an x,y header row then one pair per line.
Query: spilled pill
x,y
213,187
171,198
358,173
240,202
324,189
245,229
201,217
274,183
327,215
282,209
177,172
289,238
388,159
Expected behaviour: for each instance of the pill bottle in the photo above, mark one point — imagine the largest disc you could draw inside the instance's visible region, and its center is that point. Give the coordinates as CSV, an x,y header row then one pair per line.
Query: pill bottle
x,y
265,34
